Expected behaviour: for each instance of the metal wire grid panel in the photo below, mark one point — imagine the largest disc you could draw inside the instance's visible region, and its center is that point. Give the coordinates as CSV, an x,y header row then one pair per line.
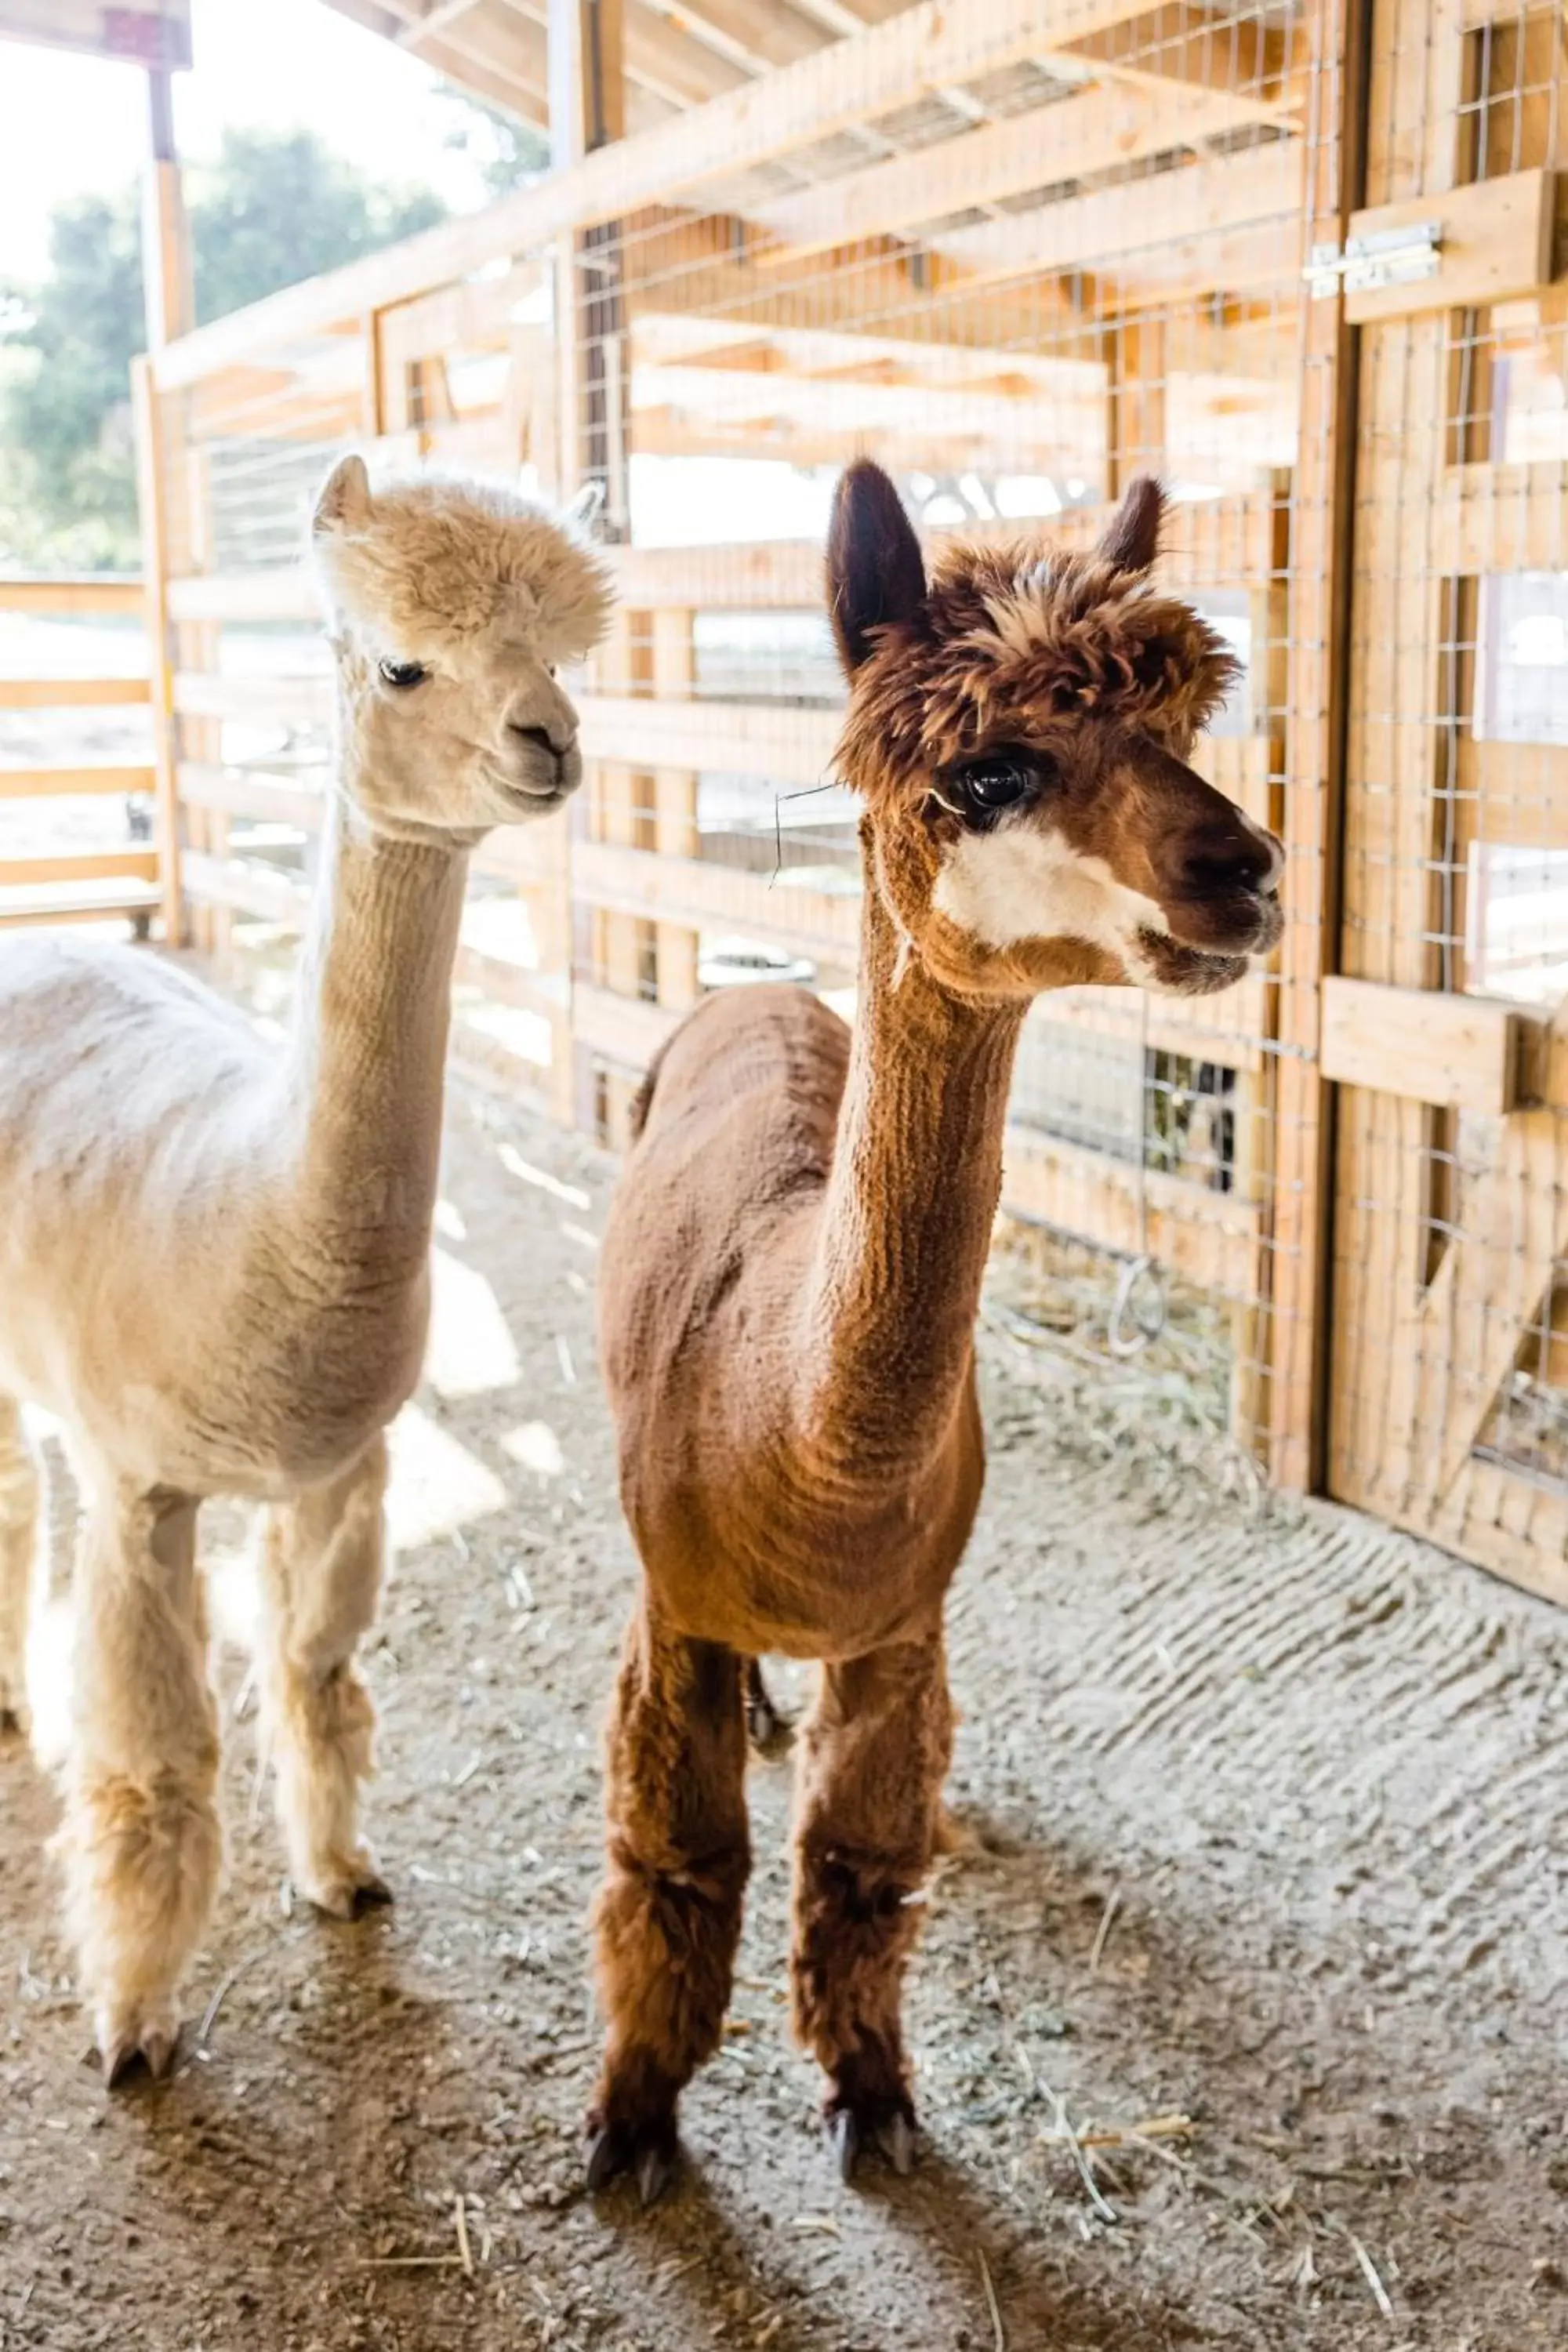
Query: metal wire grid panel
x,y
1450,1406
1071,255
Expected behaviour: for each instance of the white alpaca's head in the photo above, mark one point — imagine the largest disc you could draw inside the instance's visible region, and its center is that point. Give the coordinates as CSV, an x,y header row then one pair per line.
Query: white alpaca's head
x,y
452,605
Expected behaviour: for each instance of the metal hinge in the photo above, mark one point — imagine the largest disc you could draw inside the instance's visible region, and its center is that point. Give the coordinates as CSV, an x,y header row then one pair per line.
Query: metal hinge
x,y
1384,256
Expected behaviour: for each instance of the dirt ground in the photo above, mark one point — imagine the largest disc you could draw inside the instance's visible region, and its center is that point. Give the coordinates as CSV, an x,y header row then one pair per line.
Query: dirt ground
x,y
1263,1817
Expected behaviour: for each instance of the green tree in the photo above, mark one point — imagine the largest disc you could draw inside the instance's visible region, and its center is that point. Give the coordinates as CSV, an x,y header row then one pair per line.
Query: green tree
x,y
276,208
503,149
66,480
272,209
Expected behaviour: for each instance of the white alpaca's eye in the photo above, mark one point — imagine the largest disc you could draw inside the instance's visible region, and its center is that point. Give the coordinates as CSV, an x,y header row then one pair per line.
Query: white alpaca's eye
x,y
403,674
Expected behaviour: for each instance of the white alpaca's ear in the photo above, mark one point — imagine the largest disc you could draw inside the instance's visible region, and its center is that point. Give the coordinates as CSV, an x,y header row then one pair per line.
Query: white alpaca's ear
x,y
344,500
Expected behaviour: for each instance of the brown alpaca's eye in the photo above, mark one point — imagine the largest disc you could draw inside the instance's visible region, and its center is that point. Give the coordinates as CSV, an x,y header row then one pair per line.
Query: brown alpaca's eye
x,y
403,674
988,785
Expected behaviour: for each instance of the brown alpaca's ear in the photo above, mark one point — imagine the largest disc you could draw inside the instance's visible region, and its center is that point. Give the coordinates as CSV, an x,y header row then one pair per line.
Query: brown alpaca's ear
x,y
875,570
1132,539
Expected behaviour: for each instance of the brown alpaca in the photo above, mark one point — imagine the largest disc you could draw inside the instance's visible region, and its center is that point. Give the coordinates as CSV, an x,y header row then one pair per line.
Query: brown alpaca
x,y
794,1259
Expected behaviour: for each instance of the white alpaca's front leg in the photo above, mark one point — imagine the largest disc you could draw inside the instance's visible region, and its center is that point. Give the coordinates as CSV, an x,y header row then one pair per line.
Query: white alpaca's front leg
x,y
323,1558
141,1841
21,1491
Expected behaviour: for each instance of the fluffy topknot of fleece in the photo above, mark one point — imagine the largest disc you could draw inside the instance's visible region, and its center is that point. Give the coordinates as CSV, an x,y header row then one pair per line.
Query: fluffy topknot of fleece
x,y
434,562
1009,640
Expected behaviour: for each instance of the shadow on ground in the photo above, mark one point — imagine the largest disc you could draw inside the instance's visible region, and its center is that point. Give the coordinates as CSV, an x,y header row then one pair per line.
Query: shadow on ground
x,y
1257,1888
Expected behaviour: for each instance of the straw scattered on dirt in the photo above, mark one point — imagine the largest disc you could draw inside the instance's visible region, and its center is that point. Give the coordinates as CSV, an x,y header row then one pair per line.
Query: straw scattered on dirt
x,y
1241,2015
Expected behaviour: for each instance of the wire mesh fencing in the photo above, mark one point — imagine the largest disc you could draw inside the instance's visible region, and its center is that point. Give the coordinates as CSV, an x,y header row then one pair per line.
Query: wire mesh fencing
x,y
1051,249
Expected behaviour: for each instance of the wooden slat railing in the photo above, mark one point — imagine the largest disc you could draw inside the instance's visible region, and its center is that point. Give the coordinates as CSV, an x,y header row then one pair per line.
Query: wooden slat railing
x,y
66,882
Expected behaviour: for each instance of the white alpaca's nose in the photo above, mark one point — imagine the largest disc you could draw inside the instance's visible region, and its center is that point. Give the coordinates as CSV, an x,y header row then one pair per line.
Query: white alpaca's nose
x,y
545,719
540,736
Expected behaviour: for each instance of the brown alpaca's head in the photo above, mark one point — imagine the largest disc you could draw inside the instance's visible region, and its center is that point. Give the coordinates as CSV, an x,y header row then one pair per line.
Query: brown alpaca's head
x,y
1019,727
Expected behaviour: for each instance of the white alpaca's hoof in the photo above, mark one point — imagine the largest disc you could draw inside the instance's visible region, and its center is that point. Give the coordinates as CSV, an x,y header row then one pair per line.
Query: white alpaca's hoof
x,y
346,1887
148,2035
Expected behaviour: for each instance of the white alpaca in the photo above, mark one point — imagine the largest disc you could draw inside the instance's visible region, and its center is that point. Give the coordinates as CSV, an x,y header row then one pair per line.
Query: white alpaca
x,y
214,1255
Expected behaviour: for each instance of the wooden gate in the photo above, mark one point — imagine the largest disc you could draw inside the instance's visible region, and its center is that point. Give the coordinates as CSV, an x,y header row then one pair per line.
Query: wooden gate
x,y
1447,1028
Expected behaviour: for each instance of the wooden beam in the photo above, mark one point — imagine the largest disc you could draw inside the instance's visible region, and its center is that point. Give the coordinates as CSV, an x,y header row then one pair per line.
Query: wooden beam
x,y
285,594
1173,42
1422,1044
661,59
926,48
27,909
1228,1029
1502,517
63,598
1226,542
70,693
289,701
737,738
1496,244
496,61
625,1029
1513,794
1211,1239
72,784
1189,227
245,887
75,866
1096,130
755,35
704,895
239,792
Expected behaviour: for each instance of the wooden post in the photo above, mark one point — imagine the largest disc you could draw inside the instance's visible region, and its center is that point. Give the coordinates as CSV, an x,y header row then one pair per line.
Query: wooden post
x,y
155,594
165,231
170,312
587,110
675,806
1317,707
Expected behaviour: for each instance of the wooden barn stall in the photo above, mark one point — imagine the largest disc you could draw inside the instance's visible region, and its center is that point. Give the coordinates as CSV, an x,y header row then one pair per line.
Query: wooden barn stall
x,y
1301,262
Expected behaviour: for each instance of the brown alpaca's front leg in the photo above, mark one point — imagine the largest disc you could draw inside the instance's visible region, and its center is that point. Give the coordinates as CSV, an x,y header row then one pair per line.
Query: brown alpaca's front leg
x,y
873,1757
667,1916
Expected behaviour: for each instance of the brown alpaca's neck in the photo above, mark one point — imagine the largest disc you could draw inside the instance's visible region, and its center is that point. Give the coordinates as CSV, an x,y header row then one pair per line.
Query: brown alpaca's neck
x,y
907,1214
367,1065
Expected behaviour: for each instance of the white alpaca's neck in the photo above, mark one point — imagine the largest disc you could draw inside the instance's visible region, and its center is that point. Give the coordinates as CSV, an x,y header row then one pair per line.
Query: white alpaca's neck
x,y
367,1059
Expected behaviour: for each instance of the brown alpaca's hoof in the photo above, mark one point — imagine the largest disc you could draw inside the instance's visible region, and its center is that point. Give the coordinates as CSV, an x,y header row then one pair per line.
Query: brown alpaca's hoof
x,y
649,2151
892,2132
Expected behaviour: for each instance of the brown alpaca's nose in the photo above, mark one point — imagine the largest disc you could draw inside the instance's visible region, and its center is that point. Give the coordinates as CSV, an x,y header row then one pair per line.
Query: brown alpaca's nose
x,y
1224,855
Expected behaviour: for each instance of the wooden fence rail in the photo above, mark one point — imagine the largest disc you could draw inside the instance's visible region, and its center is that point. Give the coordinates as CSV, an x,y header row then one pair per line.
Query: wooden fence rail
x,y
72,883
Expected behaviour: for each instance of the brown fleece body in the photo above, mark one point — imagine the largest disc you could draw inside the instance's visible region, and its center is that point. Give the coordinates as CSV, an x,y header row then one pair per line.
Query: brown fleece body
x,y
789,1283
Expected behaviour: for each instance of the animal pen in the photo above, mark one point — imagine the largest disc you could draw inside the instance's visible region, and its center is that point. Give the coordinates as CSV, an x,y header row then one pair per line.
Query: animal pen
x,y
1299,258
